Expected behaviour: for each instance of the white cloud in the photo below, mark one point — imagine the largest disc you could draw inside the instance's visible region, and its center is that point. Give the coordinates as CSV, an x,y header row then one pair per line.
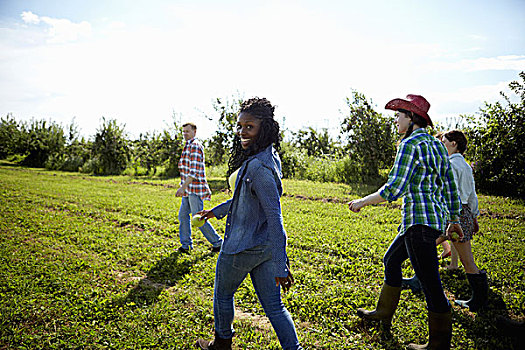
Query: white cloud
x,y
30,18
63,30
60,30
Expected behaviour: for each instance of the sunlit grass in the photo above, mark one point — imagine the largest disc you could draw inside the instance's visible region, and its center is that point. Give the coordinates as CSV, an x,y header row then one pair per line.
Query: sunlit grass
x,y
91,262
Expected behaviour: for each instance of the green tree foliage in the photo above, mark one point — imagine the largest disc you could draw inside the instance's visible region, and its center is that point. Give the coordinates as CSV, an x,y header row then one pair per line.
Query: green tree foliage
x,y
370,137
41,143
77,150
171,145
147,152
110,150
315,143
217,147
10,136
497,145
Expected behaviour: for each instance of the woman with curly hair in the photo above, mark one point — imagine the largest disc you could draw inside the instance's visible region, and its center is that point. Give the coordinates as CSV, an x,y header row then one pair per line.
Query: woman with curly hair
x,y
254,239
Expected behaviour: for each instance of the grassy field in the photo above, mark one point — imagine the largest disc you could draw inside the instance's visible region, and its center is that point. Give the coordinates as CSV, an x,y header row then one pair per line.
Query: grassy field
x,y
91,262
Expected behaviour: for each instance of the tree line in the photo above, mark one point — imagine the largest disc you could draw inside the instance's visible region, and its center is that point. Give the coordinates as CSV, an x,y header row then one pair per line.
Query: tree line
x,y
363,150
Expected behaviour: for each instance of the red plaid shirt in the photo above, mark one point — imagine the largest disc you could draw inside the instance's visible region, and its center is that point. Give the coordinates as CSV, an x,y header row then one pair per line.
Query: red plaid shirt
x,y
192,163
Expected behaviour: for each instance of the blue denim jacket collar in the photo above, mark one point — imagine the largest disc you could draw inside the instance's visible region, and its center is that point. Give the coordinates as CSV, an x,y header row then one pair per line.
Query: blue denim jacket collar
x,y
270,158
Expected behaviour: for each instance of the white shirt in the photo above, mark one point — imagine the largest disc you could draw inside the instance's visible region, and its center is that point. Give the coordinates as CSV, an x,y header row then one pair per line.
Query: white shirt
x,y
465,182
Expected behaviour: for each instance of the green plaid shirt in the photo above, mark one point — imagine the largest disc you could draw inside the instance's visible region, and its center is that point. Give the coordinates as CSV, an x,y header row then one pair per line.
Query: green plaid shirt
x,y
422,174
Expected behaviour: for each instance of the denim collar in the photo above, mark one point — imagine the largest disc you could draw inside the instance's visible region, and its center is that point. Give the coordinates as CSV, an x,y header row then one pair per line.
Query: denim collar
x,y
269,158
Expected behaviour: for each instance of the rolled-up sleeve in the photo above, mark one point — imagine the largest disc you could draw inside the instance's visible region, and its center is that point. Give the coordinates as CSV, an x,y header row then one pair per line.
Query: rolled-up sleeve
x,y
400,174
221,210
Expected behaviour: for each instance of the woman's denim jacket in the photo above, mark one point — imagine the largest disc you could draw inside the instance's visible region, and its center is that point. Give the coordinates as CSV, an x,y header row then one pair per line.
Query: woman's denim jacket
x,y
254,211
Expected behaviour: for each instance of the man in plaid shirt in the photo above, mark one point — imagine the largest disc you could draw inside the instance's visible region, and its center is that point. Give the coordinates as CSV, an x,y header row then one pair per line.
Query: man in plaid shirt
x,y
193,190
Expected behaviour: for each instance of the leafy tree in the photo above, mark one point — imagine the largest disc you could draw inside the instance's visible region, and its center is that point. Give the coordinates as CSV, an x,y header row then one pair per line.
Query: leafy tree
x,y
110,150
147,151
315,143
171,145
10,136
77,150
41,142
497,145
217,147
370,137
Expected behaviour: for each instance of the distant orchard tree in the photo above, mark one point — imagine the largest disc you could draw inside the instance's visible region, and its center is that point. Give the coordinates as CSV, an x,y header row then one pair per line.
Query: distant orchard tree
x,y
147,151
110,150
41,142
368,135
171,145
10,136
217,147
497,145
315,143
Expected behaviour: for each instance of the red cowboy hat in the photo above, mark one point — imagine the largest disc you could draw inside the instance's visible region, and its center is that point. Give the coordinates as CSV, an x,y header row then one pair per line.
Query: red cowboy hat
x,y
414,103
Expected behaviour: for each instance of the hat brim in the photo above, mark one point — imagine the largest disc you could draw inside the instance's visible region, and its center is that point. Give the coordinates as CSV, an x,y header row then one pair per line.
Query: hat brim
x,y
399,103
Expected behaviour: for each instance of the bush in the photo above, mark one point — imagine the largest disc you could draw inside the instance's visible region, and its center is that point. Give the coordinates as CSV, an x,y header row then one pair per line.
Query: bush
x,y
110,151
497,143
370,137
43,143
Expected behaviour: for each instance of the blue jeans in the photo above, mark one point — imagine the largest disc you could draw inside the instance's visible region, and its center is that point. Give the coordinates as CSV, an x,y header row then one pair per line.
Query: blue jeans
x,y
231,270
189,206
419,245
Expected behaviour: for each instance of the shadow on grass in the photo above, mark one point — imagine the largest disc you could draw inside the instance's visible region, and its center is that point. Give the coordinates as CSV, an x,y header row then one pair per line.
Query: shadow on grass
x,y
164,274
4,162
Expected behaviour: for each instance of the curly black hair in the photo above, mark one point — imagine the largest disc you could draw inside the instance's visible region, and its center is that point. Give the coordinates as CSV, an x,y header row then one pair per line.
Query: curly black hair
x,y
268,133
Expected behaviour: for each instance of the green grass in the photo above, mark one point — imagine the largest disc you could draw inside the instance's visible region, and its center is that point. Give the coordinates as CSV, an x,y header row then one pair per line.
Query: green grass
x,y
90,262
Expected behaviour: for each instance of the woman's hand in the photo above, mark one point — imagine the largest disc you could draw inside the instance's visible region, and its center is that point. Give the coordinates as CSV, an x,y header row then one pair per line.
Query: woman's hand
x,y
356,205
206,214
475,229
285,282
454,228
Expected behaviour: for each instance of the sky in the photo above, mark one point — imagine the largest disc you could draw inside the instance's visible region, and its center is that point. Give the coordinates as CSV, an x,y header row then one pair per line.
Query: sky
x,y
141,62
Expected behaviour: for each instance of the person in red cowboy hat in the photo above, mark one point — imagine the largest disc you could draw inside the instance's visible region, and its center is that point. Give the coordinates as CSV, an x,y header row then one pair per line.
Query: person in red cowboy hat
x,y
423,176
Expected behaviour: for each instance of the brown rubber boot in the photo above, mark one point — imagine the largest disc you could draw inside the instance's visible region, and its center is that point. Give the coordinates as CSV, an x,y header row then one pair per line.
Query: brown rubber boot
x,y
386,306
215,344
439,332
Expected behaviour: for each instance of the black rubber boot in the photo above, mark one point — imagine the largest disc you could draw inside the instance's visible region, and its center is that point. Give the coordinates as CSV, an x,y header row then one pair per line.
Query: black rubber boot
x,y
386,305
439,332
480,291
215,344
412,283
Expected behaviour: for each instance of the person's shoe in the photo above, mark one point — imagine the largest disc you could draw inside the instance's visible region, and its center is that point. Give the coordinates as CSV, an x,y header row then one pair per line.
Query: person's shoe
x,y
412,283
439,332
480,289
215,249
386,306
215,344
183,250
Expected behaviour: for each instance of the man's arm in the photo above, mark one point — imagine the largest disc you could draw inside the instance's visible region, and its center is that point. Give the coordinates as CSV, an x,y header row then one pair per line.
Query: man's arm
x,y
182,189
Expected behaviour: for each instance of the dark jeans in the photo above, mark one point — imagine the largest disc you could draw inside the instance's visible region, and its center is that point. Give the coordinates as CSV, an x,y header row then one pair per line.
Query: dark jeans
x,y
419,245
